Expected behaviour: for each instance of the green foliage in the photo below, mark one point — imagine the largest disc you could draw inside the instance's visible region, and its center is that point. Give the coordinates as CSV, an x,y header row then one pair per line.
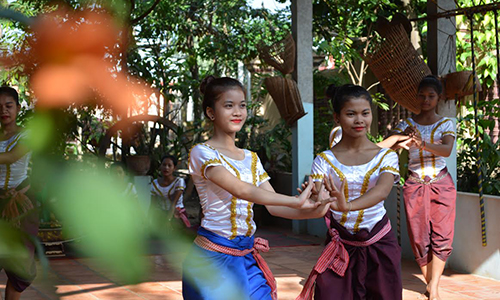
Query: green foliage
x,y
345,30
277,147
484,43
323,114
108,224
489,152
183,41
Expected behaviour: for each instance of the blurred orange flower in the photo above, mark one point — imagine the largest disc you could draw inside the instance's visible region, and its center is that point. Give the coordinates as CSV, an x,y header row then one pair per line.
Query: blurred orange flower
x,y
74,56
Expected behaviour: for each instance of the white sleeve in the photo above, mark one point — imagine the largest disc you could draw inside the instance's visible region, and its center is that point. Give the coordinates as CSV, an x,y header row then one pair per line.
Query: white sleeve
x,y
261,173
390,164
319,169
202,157
448,128
180,185
401,126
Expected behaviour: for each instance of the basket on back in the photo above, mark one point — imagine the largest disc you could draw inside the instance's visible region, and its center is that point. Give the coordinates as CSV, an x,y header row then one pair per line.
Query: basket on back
x,y
284,91
399,67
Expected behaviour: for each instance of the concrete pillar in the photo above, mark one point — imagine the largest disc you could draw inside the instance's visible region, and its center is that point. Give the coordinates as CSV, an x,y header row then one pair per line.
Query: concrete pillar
x,y
143,187
303,130
441,51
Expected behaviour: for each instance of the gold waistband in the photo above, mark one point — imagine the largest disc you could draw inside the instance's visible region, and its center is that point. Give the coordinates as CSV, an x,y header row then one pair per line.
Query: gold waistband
x,y
433,180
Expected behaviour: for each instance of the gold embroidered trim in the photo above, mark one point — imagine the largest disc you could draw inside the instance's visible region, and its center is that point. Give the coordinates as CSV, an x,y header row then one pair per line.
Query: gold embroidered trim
x,y
346,186
432,142
7,166
254,168
364,188
263,177
420,151
8,148
317,176
158,191
174,183
255,159
248,220
234,228
207,163
359,219
449,133
389,168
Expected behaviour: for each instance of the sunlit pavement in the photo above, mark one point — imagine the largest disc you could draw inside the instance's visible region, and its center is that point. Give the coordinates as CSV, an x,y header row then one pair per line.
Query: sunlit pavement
x,y
83,278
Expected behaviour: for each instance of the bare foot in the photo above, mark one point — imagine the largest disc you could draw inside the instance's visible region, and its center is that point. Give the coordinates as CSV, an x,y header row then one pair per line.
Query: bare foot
x,y
423,296
433,292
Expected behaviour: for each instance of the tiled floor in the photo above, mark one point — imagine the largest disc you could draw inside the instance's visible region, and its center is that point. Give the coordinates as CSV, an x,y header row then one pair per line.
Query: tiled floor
x,y
83,278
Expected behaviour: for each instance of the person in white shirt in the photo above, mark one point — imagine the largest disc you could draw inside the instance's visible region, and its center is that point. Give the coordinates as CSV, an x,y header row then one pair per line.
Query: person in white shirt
x,y
16,207
362,259
167,191
429,191
224,262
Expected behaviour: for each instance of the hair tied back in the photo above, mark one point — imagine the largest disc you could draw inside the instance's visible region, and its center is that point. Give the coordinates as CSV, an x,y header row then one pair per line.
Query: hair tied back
x,y
205,82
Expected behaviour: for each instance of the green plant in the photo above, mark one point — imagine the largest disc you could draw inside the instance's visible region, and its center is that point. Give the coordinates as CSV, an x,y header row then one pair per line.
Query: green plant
x,y
468,145
275,149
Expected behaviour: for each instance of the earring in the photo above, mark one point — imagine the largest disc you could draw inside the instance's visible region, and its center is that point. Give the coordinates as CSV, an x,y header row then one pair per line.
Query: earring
x,y
212,118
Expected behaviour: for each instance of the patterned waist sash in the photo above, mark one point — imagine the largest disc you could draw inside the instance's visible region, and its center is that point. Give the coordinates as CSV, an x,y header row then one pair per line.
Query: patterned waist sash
x,y
336,258
14,203
260,244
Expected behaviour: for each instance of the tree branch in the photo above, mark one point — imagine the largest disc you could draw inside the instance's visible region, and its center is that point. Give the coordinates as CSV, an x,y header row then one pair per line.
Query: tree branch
x,y
373,85
350,70
146,13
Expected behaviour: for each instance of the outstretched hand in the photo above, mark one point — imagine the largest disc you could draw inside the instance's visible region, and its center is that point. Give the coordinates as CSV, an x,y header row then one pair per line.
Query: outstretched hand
x,y
340,203
310,197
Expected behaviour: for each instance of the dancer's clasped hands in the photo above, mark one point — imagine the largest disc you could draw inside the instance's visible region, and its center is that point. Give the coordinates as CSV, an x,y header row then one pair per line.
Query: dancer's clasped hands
x,y
312,196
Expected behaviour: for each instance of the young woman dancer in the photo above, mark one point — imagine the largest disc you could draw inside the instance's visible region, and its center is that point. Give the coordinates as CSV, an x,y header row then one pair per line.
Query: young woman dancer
x,y
429,191
362,257
336,132
167,190
15,204
229,181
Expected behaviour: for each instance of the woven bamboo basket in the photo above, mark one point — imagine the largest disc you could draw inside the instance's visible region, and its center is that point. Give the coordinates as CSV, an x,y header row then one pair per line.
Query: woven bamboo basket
x,y
459,84
399,68
280,55
286,95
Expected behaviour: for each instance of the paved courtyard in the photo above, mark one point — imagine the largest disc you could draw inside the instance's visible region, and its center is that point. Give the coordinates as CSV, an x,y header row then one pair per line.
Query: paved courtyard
x,y
82,278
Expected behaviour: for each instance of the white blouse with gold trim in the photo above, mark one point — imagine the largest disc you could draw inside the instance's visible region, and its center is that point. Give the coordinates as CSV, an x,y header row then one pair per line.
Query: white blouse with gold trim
x,y
167,192
11,175
223,213
423,162
360,179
